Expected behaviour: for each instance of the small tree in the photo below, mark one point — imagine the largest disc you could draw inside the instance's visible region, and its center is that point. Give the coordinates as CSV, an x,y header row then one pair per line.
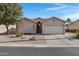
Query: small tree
x,y
68,20
10,13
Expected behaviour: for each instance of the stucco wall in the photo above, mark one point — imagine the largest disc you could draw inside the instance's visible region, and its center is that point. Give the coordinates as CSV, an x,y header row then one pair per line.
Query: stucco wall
x,y
26,26
74,25
54,23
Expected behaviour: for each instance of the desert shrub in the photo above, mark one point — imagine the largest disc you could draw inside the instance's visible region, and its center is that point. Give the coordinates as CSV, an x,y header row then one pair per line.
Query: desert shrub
x,y
19,34
74,31
77,35
77,31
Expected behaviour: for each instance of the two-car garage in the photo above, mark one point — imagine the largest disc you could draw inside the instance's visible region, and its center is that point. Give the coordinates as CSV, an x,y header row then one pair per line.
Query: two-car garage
x,y
53,26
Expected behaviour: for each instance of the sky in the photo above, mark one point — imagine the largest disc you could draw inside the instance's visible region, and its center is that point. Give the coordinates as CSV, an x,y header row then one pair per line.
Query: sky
x,y
46,10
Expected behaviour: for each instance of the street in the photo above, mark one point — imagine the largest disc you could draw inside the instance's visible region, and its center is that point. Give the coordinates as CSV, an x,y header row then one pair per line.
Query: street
x,y
44,51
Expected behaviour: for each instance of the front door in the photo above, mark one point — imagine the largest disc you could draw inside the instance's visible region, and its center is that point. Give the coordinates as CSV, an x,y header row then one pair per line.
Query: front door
x,y
39,28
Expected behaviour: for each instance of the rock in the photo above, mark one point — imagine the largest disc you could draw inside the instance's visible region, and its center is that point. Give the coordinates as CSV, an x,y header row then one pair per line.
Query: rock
x,y
33,38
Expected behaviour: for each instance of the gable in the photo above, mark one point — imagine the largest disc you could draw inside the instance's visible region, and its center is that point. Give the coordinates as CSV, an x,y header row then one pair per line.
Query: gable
x,y
24,21
74,24
39,19
54,21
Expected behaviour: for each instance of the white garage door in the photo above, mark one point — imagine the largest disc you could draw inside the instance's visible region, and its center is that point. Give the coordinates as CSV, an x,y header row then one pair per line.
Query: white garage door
x,y
28,28
53,30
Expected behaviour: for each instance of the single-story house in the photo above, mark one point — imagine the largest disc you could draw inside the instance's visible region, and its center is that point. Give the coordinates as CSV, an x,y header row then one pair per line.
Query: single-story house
x,y
52,25
74,25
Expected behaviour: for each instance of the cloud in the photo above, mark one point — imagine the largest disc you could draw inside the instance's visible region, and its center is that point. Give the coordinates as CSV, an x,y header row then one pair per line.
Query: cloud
x,y
56,8
65,11
61,7
60,4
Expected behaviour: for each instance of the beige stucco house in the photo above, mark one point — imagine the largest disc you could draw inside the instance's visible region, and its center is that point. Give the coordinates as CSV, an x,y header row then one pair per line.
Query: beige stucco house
x,y
52,25
74,25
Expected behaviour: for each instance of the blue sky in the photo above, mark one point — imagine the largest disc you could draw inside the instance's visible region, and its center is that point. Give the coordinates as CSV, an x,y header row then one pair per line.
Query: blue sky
x,y
46,10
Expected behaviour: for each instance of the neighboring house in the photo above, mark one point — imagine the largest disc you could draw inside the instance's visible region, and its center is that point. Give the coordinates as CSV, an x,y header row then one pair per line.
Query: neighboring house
x,y
26,26
51,25
74,25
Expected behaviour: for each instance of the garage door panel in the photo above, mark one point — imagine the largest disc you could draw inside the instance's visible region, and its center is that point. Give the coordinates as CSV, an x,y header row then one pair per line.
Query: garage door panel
x,y
52,30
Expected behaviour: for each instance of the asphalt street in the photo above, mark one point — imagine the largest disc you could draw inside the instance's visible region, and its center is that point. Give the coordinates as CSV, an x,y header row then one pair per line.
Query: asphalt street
x,y
39,51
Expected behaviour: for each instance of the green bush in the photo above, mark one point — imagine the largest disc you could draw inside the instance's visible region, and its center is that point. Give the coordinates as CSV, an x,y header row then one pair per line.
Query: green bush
x,y
77,31
19,34
77,35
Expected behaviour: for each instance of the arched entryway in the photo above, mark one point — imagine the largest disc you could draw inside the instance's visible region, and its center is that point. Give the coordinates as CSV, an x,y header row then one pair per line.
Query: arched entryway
x,y
39,28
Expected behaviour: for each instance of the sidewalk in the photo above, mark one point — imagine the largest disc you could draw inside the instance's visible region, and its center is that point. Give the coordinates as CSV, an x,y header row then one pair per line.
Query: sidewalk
x,y
38,44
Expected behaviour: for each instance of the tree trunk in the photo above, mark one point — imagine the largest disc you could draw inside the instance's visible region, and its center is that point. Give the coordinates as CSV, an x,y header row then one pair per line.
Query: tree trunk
x,y
7,29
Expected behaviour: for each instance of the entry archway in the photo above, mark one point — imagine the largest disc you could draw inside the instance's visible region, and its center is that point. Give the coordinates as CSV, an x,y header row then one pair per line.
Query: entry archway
x,y
39,27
